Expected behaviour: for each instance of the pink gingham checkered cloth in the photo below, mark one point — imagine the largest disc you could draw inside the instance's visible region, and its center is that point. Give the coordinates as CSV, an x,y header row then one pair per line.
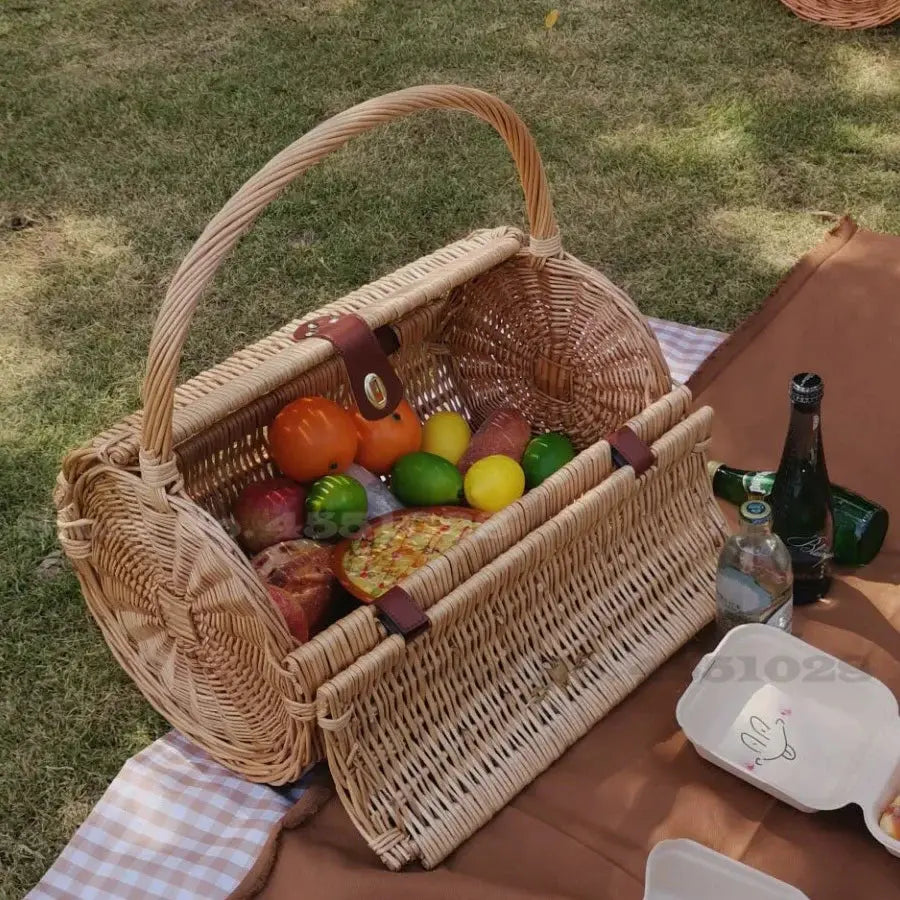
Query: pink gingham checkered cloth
x,y
684,346
174,824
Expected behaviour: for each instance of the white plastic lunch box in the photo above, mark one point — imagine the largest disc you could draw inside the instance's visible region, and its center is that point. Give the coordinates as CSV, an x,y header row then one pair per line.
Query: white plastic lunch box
x,y
801,724
686,870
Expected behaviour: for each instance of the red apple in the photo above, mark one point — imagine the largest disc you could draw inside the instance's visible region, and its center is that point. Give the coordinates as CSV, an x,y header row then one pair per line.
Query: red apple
x,y
268,512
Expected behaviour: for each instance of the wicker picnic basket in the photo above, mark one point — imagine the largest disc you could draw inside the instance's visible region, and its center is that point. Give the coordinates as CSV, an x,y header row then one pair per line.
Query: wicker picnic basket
x,y
432,712
847,13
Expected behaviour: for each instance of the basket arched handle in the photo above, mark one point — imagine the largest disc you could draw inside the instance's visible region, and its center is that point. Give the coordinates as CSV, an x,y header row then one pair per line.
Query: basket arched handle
x,y
239,213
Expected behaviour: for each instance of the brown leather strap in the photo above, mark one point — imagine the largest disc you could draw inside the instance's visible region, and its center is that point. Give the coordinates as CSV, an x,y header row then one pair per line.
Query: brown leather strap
x,y
387,339
376,388
401,615
629,450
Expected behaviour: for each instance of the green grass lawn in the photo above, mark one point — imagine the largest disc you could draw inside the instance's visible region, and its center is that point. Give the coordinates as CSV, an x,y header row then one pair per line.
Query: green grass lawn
x,y
687,142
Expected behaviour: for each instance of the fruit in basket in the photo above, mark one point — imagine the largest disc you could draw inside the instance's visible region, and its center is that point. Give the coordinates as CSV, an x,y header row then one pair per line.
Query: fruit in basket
x,y
544,455
494,482
300,582
394,546
504,431
425,479
336,507
268,512
890,819
312,437
383,441
293,613
446,434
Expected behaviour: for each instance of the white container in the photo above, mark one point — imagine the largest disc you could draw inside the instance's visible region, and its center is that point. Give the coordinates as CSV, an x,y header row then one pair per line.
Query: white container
x,y
686,870
801,724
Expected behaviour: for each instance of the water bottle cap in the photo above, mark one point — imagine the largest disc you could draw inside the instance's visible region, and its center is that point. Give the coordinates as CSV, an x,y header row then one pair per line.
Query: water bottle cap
x,y
756,512
807,388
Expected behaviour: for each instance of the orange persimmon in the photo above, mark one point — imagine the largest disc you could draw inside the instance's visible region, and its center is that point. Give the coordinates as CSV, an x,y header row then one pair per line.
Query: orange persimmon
x,y
383,441
312,437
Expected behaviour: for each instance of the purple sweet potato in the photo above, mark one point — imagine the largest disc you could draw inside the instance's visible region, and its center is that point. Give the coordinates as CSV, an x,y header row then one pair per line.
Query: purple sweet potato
x,y
504,431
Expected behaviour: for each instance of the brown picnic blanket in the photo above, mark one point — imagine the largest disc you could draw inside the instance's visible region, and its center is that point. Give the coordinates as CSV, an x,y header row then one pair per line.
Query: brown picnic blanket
x,y
585,827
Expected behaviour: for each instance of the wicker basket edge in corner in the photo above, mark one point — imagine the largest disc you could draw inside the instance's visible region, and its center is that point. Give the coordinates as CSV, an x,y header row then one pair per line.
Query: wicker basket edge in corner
x,y
847,13
490,320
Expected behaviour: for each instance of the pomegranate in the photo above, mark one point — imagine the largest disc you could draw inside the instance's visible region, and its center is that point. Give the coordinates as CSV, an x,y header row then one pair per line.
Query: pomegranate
x,y
293,613
298,576
268,512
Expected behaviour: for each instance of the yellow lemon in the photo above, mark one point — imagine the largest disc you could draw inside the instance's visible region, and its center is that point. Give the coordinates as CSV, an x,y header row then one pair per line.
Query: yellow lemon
x,y
446,434
494,482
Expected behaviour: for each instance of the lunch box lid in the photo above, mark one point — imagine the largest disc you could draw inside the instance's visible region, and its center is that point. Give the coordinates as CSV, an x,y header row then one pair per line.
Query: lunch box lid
x,y
685,870
796,722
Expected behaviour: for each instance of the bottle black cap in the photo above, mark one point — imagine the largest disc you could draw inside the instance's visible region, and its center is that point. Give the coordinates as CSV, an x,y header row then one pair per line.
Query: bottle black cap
x,y
807,388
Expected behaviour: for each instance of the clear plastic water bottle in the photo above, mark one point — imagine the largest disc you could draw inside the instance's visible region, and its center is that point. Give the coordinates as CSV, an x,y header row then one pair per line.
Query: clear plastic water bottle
x,y
754,581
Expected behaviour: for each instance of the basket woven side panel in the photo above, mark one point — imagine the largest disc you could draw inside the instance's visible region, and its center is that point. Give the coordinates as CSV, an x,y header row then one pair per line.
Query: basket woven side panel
x,y
561,343
186,617
428,741
847,13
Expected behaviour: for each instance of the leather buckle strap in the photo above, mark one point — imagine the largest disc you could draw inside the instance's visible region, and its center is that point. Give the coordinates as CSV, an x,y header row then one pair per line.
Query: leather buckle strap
x,y
629,450
376,388
400,614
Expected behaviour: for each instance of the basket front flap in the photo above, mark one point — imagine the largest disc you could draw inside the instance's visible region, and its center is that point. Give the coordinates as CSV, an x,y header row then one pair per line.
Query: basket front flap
x,y
428,740
354,635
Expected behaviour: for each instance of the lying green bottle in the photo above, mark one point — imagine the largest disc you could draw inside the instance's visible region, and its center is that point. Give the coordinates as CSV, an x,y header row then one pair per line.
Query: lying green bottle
x,y
859,524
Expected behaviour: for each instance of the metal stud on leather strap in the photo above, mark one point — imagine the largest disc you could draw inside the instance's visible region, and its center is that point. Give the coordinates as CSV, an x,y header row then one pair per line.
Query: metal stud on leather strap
x,y
400,614
376,388
629,450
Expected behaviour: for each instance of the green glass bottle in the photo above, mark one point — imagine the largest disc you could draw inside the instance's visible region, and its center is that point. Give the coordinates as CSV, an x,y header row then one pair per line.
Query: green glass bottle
x,y
859,524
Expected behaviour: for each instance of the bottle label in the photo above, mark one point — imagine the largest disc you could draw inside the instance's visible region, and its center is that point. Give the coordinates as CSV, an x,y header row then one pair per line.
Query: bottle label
x,y
755,483
740,598
814,547
740,593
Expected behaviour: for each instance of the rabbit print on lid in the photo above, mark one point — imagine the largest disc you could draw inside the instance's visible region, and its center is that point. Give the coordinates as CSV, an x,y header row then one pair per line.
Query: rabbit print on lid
x,y
769,741
801,724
